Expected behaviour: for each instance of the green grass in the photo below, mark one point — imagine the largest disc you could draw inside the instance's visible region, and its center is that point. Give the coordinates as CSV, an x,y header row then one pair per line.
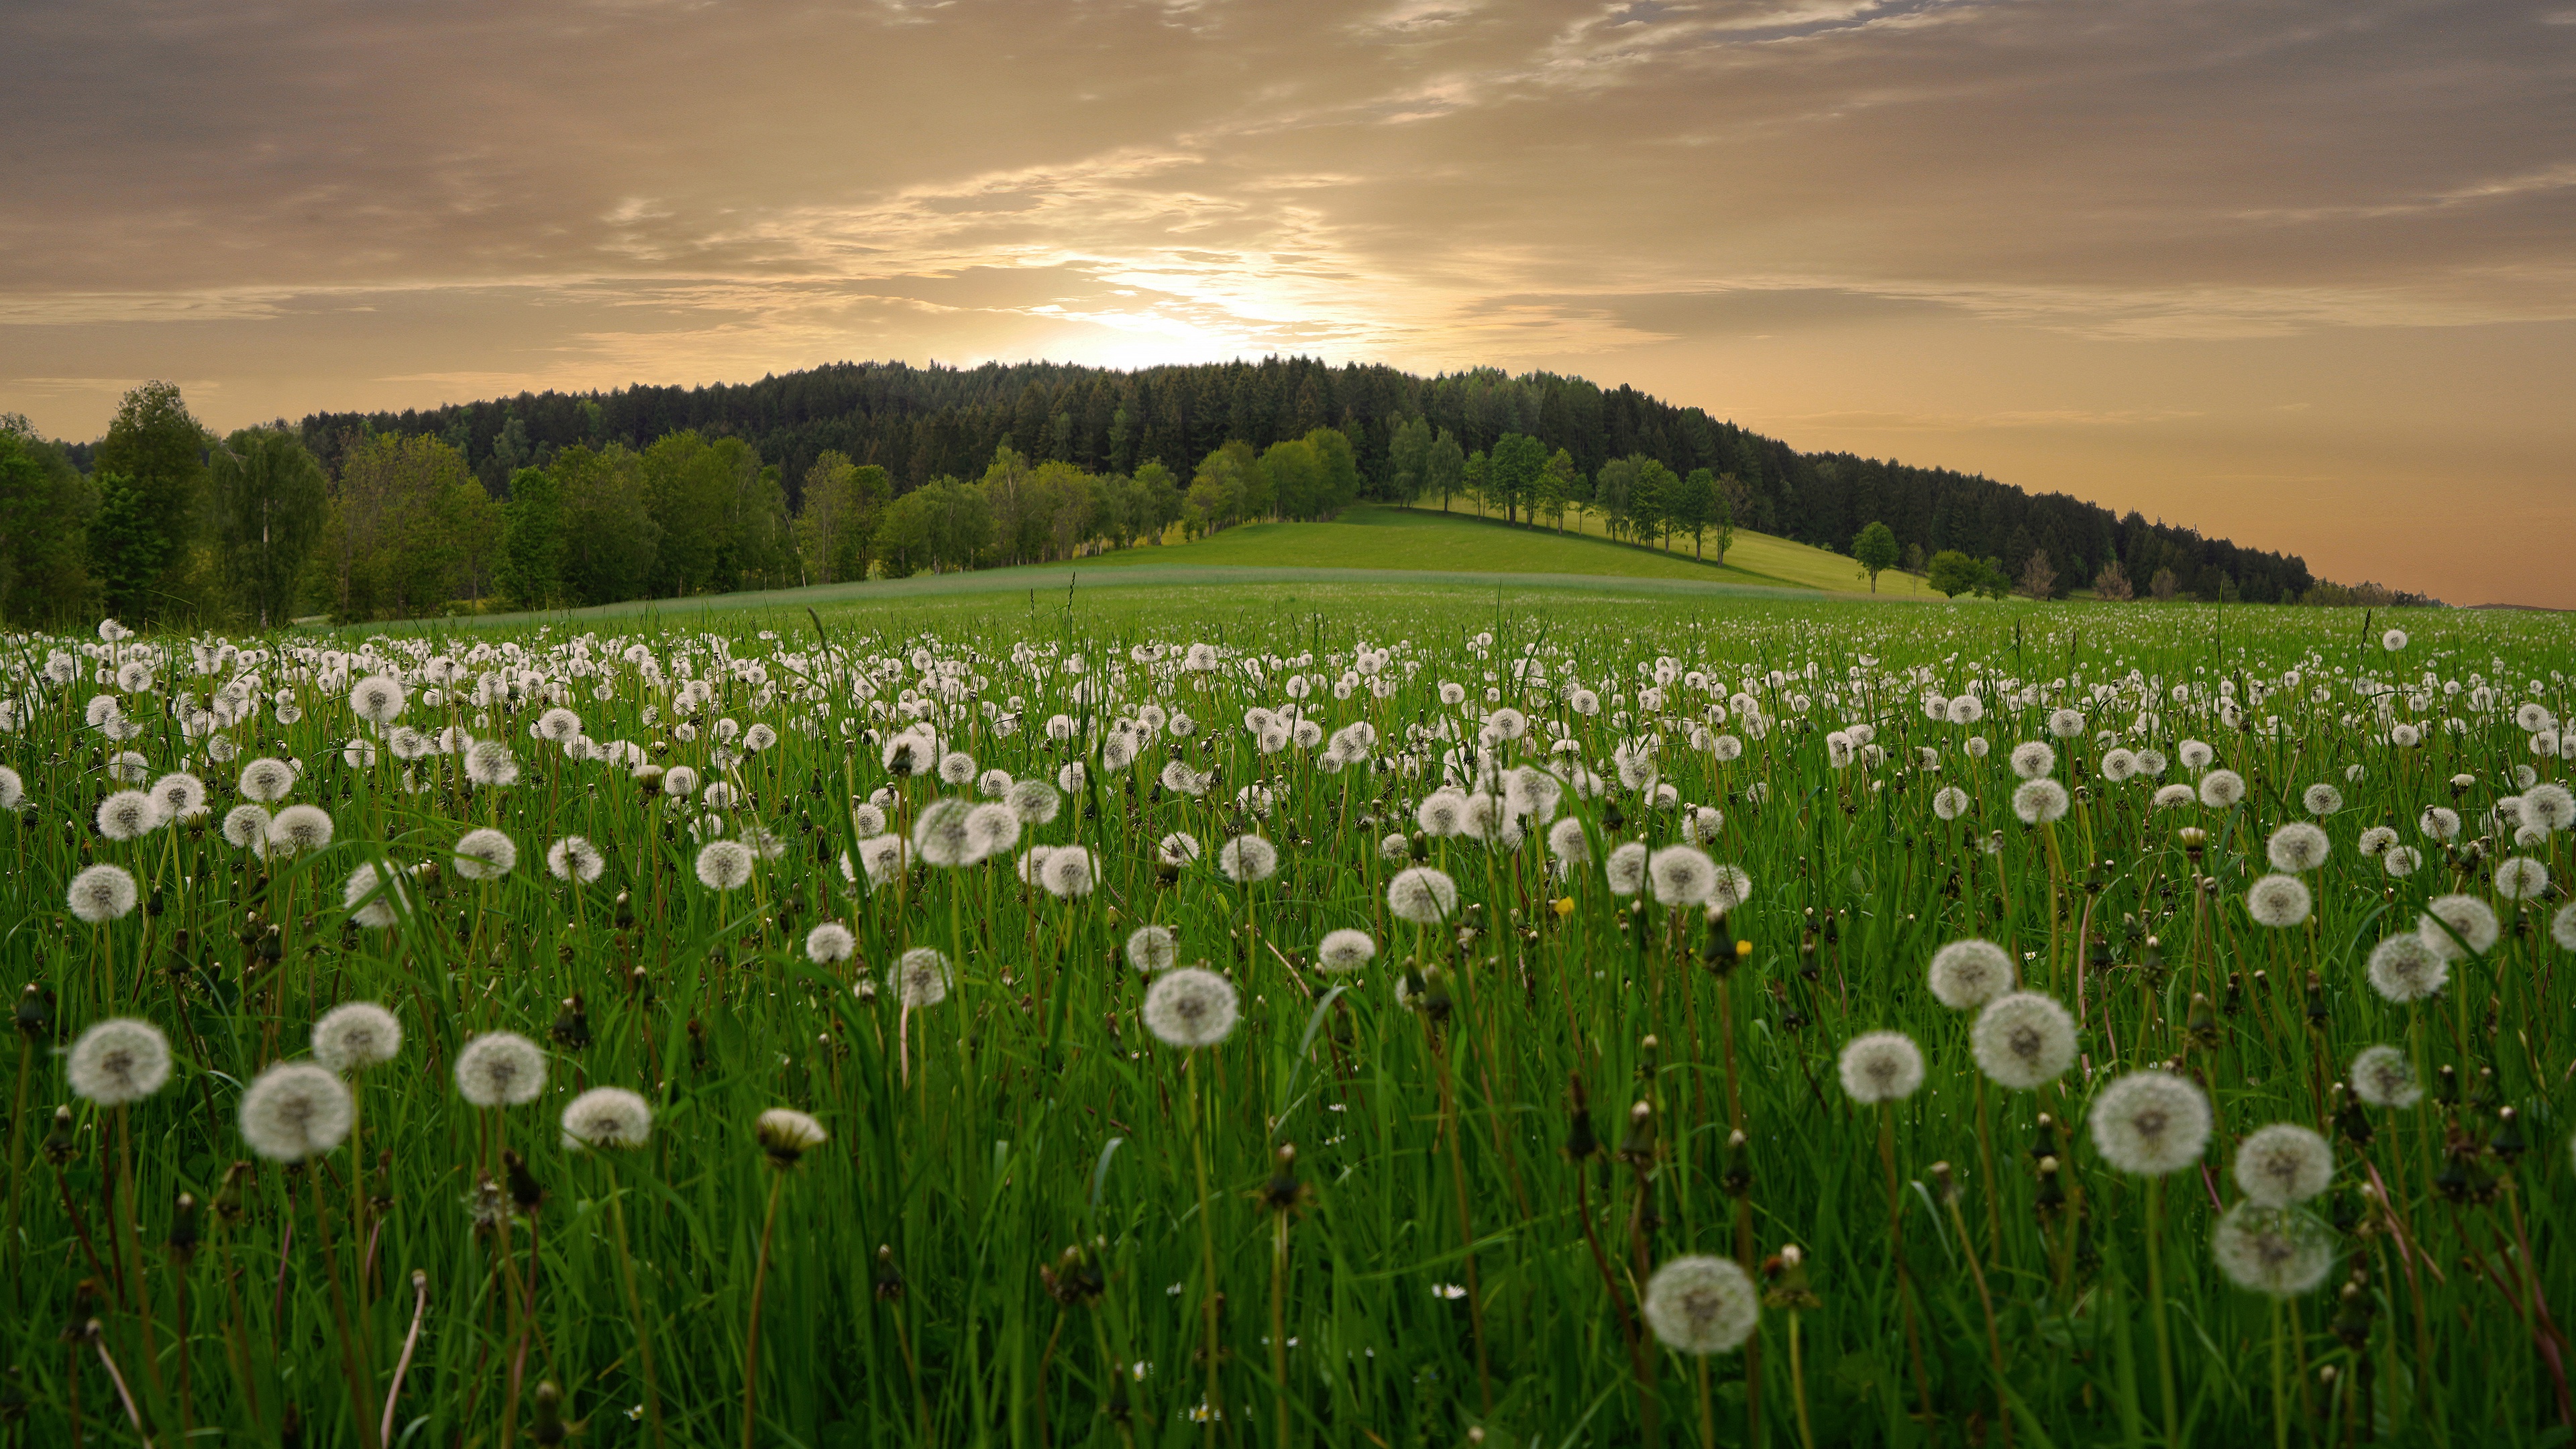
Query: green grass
x,y
1761,554
1430,1095
1369,537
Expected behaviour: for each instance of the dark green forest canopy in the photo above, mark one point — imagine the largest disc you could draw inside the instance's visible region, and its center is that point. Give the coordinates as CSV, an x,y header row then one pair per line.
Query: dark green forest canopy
x,y
923,423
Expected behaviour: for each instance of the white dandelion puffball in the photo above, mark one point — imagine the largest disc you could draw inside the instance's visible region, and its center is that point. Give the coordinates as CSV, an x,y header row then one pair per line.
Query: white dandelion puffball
x,y
1152,948
2562,928
1565,841
2277,1251
377,699
2521,879
245,827
129,815
1733,888
2220,789
2033,760
296,1111
2439,822
2405,968
490,764
607,1117
2393,640
1191,1007
298,829
1626,868
500,1069
574,858
680,782
1177,850
992,829
118,1061
2282,1164
2023,1040
829,943
2173,797
1247,858
940,835
12,788
2194,754
2383,1077
1344,950
2118,765
375,895
1970,973
1034,801
1422,895
1069,872
2322,800
725,865
1681,875
2375,841
2401,860
356,1034
2151,1123
919,979
1949,802
267,781
2279,901
102,893
2038,802
1881,1066
2298,846
787,1134
485,855
1701,1305
2450,923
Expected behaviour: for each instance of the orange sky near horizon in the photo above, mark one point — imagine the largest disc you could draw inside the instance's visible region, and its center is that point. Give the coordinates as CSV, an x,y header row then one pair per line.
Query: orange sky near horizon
x,y
2288,271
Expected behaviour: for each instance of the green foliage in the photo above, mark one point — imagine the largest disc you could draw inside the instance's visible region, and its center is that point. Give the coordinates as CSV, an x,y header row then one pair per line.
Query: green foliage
x,y
836,527
1954,573
158,449
611,538
267,500
532,541
1875,552
410,532
1513,470
45,514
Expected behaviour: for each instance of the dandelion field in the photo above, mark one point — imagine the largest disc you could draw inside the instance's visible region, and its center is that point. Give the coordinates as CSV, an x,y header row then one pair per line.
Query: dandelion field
x,y
1388,1019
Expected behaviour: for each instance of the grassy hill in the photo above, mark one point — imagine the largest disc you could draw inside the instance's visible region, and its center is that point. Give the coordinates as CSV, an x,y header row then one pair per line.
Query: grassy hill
x,y
1411,539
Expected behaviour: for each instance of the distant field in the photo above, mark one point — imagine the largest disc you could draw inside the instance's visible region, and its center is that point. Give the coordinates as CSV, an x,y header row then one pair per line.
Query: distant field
x,y
1775,559
1413,539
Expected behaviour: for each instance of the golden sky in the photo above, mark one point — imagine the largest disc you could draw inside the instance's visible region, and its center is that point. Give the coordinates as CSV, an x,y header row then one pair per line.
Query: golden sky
x,y
2299,272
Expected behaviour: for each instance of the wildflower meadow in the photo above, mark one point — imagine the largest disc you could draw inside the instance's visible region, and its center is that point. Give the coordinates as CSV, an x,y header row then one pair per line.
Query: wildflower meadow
x,y
1242,1020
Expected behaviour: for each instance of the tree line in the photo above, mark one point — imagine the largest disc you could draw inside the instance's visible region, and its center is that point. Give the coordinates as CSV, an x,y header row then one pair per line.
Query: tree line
x,y
922,423
883,470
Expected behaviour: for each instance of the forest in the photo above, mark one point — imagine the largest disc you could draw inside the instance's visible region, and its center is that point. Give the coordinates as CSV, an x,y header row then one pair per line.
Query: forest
x,y
863,470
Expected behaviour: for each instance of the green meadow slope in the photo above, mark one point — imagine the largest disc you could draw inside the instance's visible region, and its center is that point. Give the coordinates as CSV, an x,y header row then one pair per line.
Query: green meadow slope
x,y
1417,539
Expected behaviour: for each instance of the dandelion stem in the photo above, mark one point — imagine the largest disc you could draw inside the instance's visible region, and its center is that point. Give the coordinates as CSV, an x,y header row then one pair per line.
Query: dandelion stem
x,y
2156,1310
759,1283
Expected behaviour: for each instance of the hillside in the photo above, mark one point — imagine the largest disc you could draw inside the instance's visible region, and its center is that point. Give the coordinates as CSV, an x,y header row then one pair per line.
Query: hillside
x,y
1414,539
923,423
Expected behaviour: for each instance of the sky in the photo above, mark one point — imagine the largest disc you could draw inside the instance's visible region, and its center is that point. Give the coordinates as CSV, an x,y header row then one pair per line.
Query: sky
x,y
2297,272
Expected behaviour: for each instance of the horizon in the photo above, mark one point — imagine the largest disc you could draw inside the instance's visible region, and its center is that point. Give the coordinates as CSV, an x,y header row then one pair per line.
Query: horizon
x,y
2292,277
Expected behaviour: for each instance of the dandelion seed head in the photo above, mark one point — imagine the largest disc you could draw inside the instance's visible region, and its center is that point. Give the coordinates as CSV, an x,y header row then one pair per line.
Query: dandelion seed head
x,y
2276,1251
2220,789
786,1135
2406,968
2283,1164
119,1061
574,858
182,796
129,815
919,978
1625,870
2383,1077
830,943
2279,901
1701,1305
1881,1066
2151,1123
375,895
607,1117
356,1034
296,1111
1247,858
1191,1007
1681,875
725,865
500,1069
2038,802
299,829
2023,1040
2521,879
2451,922
1152,948
1970,973
1344,950
485,854
267,781
101,893
2033,760
2297,847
